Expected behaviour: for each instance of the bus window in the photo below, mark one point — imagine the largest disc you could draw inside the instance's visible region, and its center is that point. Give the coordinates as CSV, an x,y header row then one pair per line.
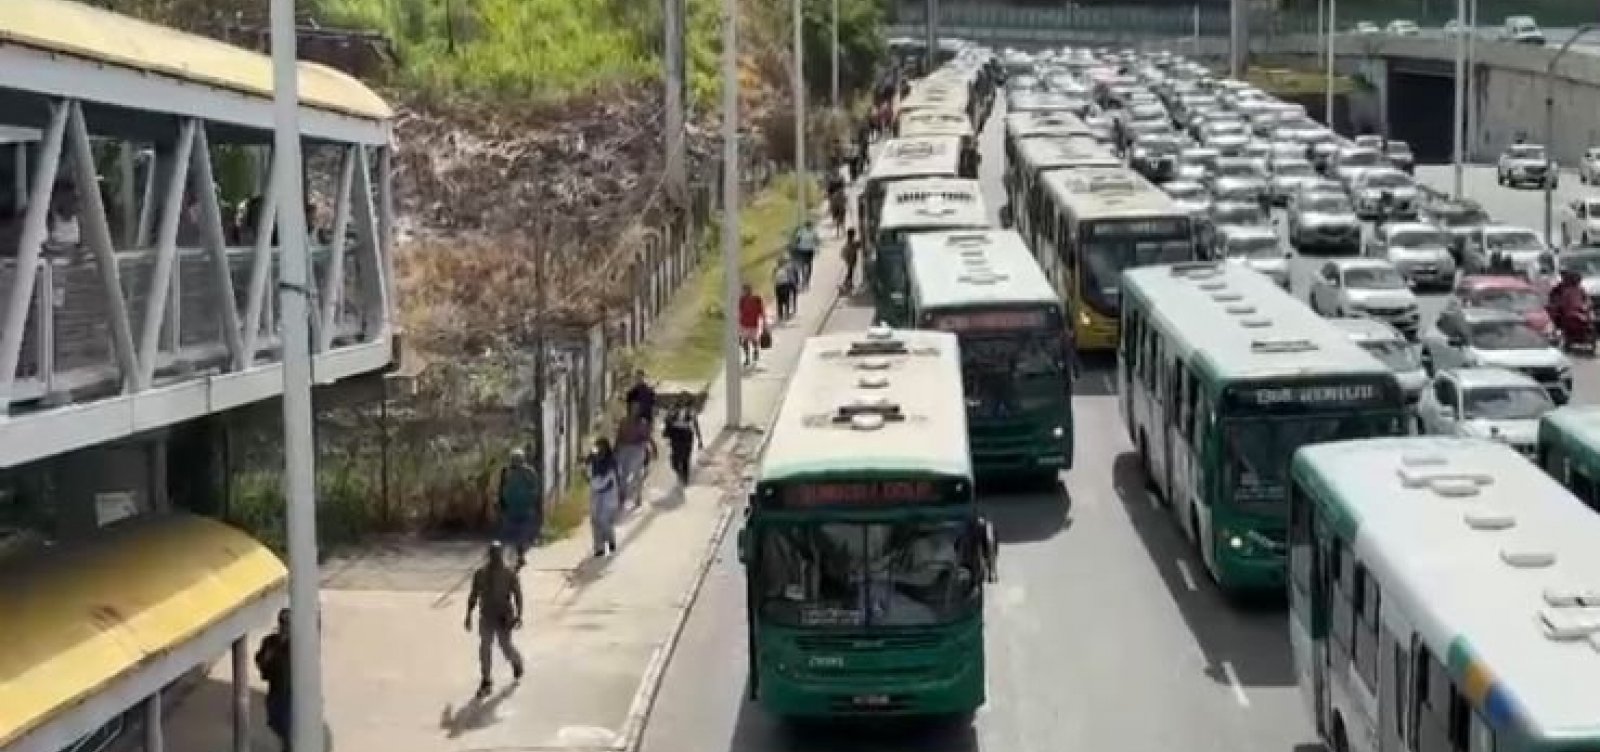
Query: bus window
x,y
1434,696
1301,536
1581,485
1482,737
1368,599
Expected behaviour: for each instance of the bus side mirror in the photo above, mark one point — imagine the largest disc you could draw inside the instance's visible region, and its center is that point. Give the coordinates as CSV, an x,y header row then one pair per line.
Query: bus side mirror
x,y
744,545
991,551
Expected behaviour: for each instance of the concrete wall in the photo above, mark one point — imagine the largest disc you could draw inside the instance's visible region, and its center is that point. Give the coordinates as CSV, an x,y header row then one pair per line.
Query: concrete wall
x,y
1513,102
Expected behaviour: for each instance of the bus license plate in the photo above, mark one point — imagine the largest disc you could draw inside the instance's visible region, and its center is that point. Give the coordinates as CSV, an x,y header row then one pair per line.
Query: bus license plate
x,y
871,701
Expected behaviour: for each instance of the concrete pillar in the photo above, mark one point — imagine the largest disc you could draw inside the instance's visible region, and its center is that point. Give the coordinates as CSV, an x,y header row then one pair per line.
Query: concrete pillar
x,y
241,696
154,738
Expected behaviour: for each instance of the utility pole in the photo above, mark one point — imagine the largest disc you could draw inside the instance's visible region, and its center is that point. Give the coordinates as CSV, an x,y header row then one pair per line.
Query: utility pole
x,y
801,173
1239,37
541,353
1470,28
1333,34
299,456
732,358
677,177
932,24
835,80
1458,124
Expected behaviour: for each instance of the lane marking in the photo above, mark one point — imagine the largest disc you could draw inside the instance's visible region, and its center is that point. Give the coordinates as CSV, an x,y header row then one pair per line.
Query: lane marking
x,y
1188,577
1233,683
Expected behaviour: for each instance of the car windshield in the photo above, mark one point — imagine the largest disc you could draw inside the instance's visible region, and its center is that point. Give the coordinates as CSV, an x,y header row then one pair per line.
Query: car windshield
x,y
1012,373
1526,152
1159,143
1186,192
1506,403
1238,170
1374,278
1417,238
1512,241
847,574
1327,203
1512,299
1293,170
1398,149
1506,335
1224,127
1360,158
1396,354
1387,180
1259,449
1459,216
1205,158
1239,214
1255,247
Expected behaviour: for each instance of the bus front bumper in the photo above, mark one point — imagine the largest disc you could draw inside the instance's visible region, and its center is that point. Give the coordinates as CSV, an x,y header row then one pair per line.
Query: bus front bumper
x,y
952,694
1020,446
1250,566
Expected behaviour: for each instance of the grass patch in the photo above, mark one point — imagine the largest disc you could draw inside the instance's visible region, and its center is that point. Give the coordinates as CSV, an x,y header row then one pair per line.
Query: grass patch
x,y
687,345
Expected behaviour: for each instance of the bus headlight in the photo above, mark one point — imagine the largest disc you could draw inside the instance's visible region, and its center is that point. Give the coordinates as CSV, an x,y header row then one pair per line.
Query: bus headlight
x,y
1057,432
1083,318
1236,543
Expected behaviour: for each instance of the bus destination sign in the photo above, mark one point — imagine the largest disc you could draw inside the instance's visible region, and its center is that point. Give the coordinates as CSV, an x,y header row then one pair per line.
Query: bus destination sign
x,y
1137,228
1300,397
990,321
863,493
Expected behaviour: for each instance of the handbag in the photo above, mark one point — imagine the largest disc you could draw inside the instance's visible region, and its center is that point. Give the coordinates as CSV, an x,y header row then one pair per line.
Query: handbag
x,y
765,340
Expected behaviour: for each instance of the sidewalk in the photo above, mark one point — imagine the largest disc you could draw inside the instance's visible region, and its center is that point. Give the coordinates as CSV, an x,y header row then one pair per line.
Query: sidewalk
x,y
399,672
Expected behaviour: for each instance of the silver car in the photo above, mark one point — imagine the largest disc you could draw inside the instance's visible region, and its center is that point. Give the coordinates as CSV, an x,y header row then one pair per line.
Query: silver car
x,y
1485,403
1521,246
1189,196
1256,247
1287,177
1194,164
1365,287
1349,162
1391,348
1372,186
1324,221
1419,251
1473,337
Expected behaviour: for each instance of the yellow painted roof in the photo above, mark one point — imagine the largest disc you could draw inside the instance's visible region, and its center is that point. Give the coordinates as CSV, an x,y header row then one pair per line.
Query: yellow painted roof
x,y
76,620
81,30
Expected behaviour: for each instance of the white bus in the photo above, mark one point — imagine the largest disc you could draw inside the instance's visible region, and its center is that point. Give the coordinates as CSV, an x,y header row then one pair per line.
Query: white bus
x,y
1444,597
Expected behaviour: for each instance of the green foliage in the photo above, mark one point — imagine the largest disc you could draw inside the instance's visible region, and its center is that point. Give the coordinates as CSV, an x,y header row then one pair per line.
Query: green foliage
x,y
861,45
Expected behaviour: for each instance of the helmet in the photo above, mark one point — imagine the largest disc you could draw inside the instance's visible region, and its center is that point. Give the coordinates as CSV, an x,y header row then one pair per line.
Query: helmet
x,y
1571,277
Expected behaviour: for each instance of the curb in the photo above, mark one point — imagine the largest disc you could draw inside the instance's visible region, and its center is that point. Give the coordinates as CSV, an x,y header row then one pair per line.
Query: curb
x,y
644,698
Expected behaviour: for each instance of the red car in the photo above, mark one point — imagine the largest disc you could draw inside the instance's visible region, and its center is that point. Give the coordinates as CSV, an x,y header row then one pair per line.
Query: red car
x,y
1506,293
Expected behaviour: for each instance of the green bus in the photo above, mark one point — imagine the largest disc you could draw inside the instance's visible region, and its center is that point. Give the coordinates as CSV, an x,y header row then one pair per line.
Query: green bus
x,y
1569,449
910,207
988,290
864,553
1441,597
904,159
1222,375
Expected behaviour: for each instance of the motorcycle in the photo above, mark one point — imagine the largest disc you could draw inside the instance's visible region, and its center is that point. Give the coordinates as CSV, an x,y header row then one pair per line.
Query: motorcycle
x,y
1574,322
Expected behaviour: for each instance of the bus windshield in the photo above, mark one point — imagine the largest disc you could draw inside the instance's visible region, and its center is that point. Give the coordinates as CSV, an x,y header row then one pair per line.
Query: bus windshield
x,y
1105,259
1259,449
1007,373
858,574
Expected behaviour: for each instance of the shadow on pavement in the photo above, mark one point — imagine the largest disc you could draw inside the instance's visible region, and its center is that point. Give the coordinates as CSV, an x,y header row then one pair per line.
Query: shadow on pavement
x,y
1244,636
757,731
1026,517
475,715
1095,375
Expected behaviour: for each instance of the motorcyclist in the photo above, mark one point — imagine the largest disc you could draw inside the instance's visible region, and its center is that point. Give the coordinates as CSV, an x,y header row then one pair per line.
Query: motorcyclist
x,y
1385,208
1567,295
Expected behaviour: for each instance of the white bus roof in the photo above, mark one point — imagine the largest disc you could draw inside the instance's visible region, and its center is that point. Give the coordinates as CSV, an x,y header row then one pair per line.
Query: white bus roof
x,y
952,203
926,156
939,93
935,122
1451,527
1021,125
1109,193
1240,325
924,380
963,268
1042,101
1056,152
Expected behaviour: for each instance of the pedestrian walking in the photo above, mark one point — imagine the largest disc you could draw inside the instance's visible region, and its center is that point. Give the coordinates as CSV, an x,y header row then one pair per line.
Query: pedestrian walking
x,y
851,253
634,448
752,319
641,397
272,660
605,488
803,250
497,597
838,208
682,432
784,277
521,505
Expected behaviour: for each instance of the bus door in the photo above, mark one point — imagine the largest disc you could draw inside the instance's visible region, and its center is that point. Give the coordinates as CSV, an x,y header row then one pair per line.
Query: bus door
x,y
970,158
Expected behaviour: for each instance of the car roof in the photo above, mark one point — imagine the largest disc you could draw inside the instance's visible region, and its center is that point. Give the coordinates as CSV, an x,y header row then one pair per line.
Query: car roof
x,y
1505,229
1367,330
1192,184
1247,231
1359,262
1474,315
1484,376
1493,282
1395,227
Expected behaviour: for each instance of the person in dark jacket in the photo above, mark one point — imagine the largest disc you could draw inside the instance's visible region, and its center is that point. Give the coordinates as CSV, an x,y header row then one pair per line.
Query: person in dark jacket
x,y
521,499
682,431
272,660
497,598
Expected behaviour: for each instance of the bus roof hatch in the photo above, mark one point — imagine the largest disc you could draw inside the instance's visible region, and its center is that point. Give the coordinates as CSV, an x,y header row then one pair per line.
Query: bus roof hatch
x,y
1283,345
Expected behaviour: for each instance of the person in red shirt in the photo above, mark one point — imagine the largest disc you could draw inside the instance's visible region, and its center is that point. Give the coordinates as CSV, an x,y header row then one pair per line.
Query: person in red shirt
x,y
752,317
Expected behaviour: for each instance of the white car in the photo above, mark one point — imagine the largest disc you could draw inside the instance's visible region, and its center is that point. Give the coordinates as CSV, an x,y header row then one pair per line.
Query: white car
x,y
1369,187
1522,30
1420,251
1189,195
1196,164
1287,177
1391,348
1589,167
1255,247
1580,221
1484,403
1524,248
1349,162
1475,337
1365,287
1365,28
1527,165
1402,28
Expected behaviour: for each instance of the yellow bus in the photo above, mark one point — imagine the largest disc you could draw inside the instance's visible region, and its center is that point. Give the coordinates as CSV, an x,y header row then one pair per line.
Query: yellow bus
x,y
1099,221
1025,175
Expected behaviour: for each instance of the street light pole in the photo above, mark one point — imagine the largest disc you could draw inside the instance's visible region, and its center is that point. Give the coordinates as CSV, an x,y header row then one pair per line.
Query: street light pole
x,y
1333,33
299,479
1550,121
801,173
1471,31
732,358
1458,120
835,79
